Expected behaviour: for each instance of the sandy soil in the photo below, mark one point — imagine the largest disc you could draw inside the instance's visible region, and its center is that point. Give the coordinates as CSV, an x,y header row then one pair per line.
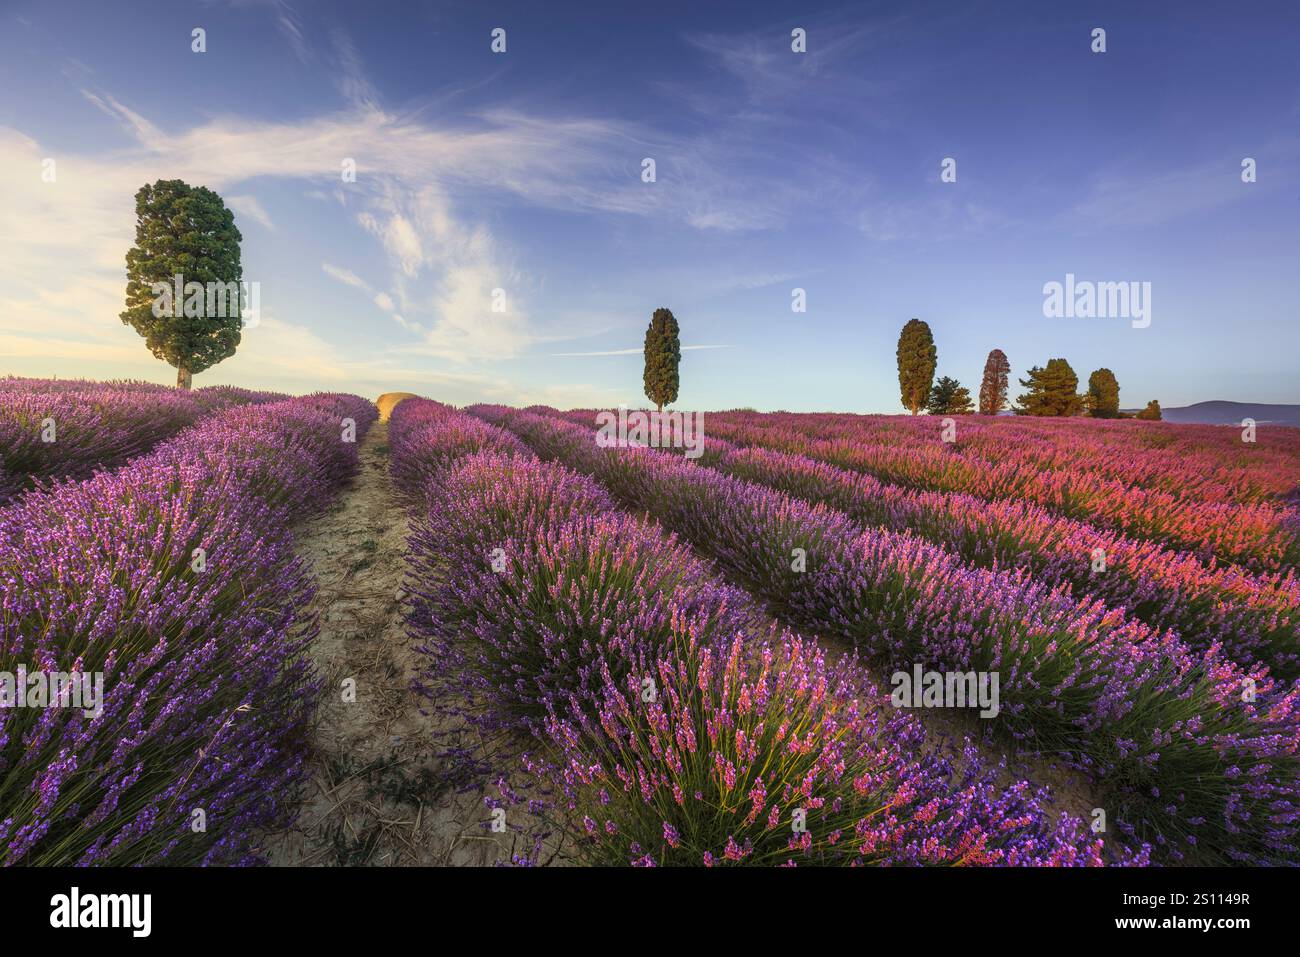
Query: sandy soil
x,y
379,793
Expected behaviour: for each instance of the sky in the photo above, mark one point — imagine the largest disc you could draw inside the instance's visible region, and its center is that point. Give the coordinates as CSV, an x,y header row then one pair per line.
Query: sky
x,y
774,171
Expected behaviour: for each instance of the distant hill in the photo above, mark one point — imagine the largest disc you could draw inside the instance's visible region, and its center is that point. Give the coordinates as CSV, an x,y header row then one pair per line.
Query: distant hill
x,y
1231,413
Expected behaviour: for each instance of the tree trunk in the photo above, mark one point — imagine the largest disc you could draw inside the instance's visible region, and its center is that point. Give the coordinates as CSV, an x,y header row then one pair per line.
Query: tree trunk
x,y
184,378
659,407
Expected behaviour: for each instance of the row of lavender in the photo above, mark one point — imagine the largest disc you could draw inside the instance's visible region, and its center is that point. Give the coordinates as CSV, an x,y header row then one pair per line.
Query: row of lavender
x,y
1263,535
1193,754
1252,617
66,429
172,584
1208,463
670,723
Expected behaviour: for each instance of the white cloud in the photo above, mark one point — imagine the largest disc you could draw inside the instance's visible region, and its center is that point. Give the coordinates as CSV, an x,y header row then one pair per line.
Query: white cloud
x,y
135,124
250,207
345,276
352,83
399,238
417,196
287,23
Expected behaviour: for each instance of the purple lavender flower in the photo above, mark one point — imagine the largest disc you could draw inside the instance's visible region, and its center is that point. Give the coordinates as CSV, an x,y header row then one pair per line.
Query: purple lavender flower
x,y
207,697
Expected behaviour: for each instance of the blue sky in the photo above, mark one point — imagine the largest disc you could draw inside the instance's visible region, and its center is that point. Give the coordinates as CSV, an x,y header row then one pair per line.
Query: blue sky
x,y
776,170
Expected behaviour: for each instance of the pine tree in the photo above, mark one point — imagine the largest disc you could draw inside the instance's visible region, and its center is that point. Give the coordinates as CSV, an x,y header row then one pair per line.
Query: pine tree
x,y
663,355
188,231
993,390
1052,391
1103,395
949,397
917,358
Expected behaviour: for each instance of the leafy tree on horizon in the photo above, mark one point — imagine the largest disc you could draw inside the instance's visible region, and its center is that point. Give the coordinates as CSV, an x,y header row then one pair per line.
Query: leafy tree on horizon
x,y
993,390
1103,395
185,230
663,356
949,397
1052,391
917,359
1151,413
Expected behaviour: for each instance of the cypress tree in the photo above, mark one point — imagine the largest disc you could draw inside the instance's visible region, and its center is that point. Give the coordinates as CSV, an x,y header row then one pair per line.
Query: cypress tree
x,y
993,390
663,356
917,358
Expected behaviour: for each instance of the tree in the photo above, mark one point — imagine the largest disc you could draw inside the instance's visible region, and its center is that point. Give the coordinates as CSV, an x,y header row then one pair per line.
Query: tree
x,y
1052,391
993,390
917,359
949,397
663,355
187,231
1103,395
1151,413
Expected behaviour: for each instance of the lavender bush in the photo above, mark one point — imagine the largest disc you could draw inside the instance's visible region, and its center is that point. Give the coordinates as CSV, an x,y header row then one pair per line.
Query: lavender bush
x,y
425,436
526,582
200,740
776,758
66,430
570,594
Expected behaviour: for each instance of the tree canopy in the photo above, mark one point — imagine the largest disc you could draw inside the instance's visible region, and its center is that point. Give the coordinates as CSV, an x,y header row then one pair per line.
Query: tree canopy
x,y
663,356
1103,395
949,397
1052,391
1151,413
917,359
993,389
186,231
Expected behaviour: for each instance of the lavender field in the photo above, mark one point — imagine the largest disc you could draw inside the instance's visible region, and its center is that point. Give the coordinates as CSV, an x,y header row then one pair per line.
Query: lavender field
x,y
244,628
490,466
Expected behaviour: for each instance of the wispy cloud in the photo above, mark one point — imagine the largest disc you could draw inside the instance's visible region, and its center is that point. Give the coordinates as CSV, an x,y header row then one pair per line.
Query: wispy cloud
x,y
345,276
1132,194
287,22
137,126
352,82
250,207
444,268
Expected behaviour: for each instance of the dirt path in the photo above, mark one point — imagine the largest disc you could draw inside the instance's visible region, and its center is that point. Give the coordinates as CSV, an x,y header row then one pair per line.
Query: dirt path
x,y
378,792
